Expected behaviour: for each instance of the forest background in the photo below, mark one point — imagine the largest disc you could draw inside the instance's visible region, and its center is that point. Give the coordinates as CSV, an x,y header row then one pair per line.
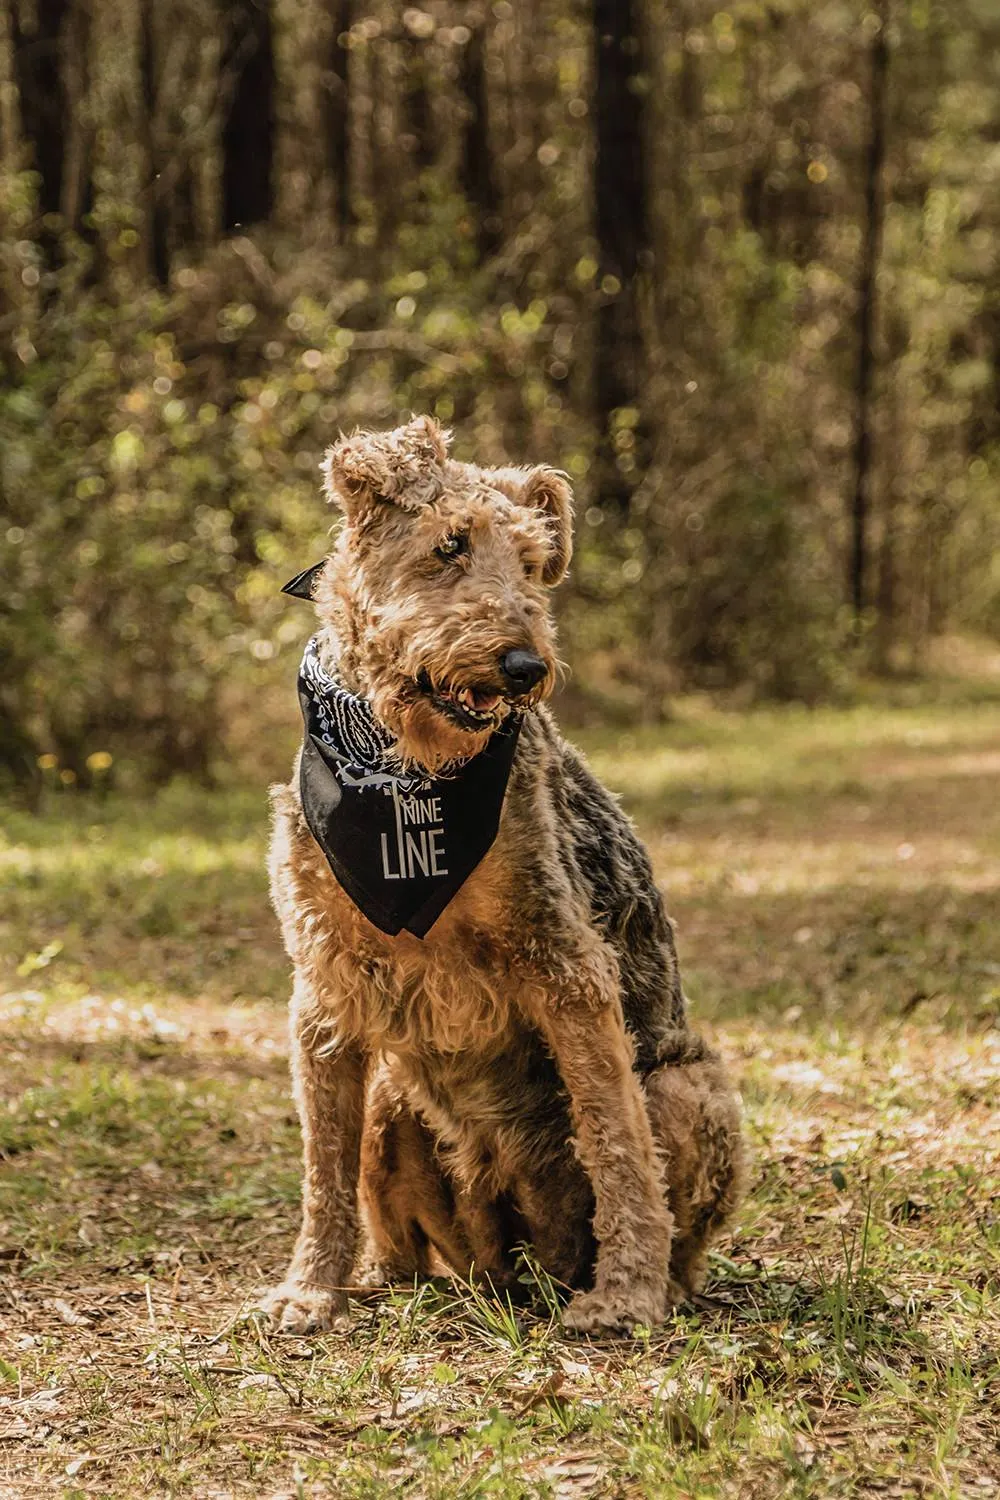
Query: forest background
x,y
736,270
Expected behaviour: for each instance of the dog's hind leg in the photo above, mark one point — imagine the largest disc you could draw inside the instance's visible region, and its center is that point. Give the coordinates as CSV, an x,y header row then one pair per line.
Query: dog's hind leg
x,y
408,1202
695,1117
414,1208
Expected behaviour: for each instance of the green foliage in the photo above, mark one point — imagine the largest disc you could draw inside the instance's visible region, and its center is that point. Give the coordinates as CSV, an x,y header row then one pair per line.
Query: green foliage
x,y
159,438
160,472
751,601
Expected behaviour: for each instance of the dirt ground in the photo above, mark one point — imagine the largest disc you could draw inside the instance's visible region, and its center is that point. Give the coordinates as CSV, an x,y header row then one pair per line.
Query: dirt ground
x,y
834,876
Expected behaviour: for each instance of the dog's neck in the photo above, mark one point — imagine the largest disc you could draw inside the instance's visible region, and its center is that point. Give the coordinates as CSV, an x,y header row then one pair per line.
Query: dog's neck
x,y
339,610
340,663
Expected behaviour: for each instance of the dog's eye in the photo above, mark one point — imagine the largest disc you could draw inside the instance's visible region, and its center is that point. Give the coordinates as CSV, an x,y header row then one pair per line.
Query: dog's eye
x,y
452,547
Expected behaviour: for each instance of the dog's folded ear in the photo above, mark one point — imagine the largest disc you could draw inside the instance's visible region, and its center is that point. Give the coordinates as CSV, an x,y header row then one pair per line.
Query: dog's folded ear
x,y
404,467
548,490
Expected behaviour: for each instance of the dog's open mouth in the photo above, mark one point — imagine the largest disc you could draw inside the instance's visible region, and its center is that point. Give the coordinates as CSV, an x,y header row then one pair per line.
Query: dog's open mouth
x,y
472,708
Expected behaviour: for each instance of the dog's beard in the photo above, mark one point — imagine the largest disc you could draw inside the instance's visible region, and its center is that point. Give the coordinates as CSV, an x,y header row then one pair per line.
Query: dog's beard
x,y
427,736
437,726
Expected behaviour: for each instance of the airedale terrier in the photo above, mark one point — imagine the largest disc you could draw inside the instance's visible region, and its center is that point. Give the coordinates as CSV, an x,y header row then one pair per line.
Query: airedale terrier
x,y
490,1044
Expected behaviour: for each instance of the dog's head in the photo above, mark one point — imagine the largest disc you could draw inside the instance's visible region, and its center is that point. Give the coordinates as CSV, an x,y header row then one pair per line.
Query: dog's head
x,y
438,587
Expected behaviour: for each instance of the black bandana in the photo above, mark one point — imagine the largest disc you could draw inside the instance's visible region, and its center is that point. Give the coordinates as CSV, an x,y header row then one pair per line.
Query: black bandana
x,y
401,843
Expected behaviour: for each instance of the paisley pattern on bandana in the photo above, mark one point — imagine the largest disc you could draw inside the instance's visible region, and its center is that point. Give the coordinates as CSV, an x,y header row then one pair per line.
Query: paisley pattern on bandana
x,y
400,843
349,729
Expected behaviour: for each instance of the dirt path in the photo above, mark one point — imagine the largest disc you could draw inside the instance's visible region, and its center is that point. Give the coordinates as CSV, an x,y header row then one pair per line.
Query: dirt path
x,y
835,878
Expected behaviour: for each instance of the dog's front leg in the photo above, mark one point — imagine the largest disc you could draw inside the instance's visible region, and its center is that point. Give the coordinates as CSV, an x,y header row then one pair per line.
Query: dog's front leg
x,y
329,1085
584,1027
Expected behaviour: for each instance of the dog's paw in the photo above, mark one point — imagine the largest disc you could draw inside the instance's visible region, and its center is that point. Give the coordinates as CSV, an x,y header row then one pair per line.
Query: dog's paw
x,y
301,1308
373,1276
677,1293
605,1312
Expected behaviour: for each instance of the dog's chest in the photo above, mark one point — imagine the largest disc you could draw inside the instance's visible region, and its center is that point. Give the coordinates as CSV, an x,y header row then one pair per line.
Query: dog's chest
x,y
453,991
509,1090
432,1002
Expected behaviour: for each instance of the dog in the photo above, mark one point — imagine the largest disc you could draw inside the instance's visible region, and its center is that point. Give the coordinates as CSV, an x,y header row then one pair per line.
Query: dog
x,y
490,1043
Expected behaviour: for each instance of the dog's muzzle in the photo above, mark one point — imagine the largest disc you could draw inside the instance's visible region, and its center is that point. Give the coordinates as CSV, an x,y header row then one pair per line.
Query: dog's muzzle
x,y
521,671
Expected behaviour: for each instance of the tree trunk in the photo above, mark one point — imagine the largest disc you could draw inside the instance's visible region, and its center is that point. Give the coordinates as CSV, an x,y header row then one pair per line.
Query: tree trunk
x,y
336,100
77,195
622,228
874,212
887,581
248,116
476,173
35,34
417,138
383,132
159,250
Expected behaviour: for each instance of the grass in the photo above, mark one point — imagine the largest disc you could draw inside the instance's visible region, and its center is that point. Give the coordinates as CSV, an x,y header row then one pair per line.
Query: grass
x,y
834,875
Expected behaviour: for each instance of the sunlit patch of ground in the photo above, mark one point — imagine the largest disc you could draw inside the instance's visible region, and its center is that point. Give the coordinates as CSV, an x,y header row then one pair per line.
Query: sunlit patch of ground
x,y
835,880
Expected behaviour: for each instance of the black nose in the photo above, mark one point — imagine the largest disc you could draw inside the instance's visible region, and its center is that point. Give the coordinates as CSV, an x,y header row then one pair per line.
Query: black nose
x,y
522,670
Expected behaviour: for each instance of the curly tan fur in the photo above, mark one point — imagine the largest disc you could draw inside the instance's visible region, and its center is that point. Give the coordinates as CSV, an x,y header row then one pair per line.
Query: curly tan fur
x,y
525,1072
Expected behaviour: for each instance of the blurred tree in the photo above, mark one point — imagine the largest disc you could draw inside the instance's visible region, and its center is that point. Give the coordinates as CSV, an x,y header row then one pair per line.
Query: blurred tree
x,y
621,222
705,259
37,27
416,139
159,218
337,112
247,74
871,243
476,172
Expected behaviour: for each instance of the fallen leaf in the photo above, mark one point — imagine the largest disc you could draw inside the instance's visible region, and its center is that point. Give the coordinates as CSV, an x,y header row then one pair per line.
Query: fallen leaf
x,y
408,1401
260,1381
683,1430
547,1391
67,1314
908,1211
76,1464
571,1476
